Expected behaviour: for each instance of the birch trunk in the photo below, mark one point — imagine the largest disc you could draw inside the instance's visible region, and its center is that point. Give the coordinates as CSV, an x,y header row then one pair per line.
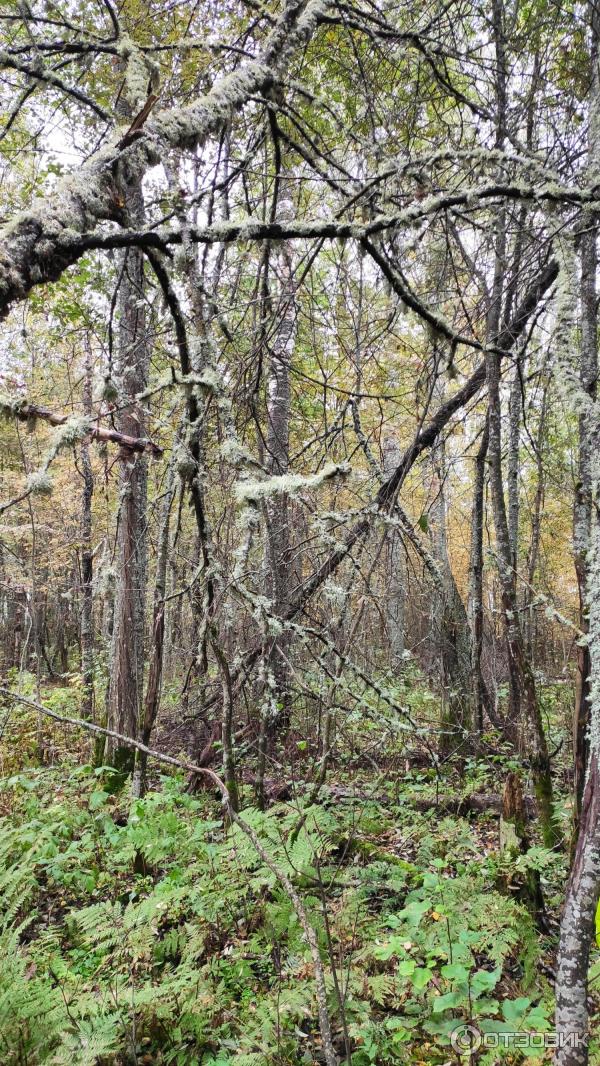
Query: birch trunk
x,y
582,511
278,446
583,890
578,922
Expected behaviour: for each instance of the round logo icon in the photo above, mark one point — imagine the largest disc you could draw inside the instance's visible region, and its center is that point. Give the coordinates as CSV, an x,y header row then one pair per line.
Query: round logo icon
x,y
465,1039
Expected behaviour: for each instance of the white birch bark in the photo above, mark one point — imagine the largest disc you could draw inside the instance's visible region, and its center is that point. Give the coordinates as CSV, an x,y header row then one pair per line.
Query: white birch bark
x,y
278,444
583,889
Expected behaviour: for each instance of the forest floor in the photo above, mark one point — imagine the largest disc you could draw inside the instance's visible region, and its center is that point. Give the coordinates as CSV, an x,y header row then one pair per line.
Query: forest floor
x,y
145,932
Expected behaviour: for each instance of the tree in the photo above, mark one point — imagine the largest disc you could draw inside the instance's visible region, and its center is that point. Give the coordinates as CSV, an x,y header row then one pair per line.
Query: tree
x,y
318,261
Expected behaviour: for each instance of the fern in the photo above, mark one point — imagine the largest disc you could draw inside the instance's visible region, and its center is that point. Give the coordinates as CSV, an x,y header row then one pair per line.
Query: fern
x,y
32,1012
89,1043
204,959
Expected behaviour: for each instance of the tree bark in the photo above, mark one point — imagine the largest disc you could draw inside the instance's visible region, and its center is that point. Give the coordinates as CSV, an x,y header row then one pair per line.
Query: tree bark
x,y
476,583
524,707
578,924
87,602
155,669
582,511
514,841
536,529
449,623
512,473
127,651
395,595
278,448
583,890
525,711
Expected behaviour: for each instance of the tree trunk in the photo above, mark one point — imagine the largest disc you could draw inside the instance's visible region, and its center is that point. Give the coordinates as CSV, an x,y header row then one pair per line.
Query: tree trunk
x,y
536,529
583,890
476,582
277,448
127,651
452,643
582,511
514,842
87,603
512,473
578,923
532,740
527,721
395,595
155,669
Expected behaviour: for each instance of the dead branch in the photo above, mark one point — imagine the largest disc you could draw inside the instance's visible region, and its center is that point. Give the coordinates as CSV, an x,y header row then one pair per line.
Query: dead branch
x,y
27,412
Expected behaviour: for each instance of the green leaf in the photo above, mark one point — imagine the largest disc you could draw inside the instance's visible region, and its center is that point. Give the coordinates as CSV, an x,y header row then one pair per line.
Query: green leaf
x,y
485,1006
537,1019
401,1025
415,910
440,1026
421,978
484,981
406,968
513,1010
394,946
448,1002
492,1025
455,972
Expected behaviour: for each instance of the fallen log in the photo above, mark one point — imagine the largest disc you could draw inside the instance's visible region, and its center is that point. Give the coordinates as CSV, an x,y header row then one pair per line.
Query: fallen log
x,y
476,803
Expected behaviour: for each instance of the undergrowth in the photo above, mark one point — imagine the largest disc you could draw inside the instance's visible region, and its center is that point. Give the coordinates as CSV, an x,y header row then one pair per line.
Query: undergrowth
x,y
149,934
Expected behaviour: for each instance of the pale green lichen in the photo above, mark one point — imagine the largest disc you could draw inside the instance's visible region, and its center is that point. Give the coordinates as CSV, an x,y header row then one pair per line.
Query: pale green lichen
x,y
209,379
233,452
567,370
287,484
72,431
141,74
110,392
40,483
185,464
10,405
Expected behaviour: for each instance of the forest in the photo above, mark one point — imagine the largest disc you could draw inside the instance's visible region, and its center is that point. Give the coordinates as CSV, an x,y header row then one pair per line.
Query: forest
x,y
299,532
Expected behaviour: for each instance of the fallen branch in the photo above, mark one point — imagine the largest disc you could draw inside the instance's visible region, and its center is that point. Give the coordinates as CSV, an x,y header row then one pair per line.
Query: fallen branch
x,y
331,1058
477,803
